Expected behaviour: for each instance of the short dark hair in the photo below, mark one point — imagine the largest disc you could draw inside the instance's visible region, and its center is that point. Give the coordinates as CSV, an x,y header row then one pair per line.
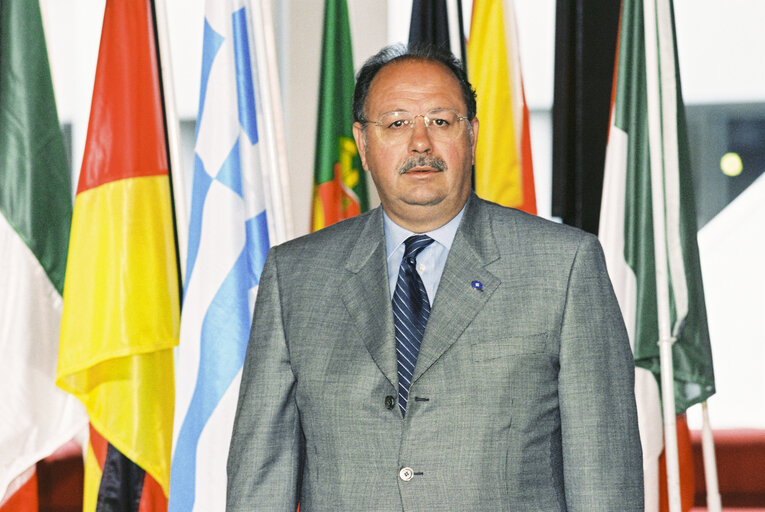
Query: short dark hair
x,y
401,53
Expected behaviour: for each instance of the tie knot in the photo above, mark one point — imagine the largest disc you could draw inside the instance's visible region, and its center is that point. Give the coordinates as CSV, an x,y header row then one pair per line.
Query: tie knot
x,y
414,244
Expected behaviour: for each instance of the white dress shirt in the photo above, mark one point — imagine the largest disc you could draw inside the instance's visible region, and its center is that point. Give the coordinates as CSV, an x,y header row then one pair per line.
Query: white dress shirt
x,y
430,261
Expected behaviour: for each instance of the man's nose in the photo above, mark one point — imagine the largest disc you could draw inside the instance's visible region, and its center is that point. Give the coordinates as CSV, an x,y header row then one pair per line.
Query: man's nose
x,y
420,140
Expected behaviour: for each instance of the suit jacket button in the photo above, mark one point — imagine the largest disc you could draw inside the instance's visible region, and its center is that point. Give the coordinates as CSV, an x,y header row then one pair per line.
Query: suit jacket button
x,y
406,474
390,402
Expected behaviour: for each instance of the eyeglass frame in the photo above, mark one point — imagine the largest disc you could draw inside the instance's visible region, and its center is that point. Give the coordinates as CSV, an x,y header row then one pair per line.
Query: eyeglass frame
x,y
425,119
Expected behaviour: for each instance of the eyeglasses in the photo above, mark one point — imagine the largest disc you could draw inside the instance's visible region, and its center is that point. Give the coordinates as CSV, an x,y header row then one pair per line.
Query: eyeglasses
x,y
397,126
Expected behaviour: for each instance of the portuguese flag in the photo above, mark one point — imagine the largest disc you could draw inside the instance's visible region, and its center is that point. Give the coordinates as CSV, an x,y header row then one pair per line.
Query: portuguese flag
x,y
340,189
121,296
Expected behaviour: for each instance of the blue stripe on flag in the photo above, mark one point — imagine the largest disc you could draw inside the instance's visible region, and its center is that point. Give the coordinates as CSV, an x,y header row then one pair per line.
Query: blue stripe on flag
x,y
211,43
257,244
244,87
200,186
226,320
226,323
230,173
225,330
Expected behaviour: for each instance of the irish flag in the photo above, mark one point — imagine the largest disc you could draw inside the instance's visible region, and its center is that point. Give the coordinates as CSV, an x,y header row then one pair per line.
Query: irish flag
x,y
121,295
648,222
35,211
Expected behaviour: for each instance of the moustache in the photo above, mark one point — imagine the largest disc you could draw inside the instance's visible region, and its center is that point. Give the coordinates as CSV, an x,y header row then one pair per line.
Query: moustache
x,y
422,161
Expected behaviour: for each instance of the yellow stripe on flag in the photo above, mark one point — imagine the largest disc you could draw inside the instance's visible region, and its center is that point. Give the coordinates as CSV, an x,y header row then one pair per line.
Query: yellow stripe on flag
x,y
92,480
317,211
121,317
492,64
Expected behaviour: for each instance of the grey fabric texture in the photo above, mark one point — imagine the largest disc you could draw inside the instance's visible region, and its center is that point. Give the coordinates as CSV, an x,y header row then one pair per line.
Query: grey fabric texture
x,y
522,397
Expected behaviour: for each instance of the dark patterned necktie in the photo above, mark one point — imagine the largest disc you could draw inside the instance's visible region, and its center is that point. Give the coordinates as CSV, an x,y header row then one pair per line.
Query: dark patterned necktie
x,y
410,314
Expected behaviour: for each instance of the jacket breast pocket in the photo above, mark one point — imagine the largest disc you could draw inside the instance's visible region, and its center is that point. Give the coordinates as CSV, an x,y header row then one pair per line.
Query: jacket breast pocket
x,y
485,350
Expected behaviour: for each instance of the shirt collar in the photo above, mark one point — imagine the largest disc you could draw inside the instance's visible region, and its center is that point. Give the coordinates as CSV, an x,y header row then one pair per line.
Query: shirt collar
x,y
395,234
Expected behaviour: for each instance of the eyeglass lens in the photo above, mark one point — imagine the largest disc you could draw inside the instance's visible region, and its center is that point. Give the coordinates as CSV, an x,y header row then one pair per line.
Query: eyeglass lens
x,y
442,124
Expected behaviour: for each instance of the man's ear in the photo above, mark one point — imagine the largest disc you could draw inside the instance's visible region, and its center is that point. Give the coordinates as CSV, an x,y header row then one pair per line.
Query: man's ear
x,y
358,136
474,125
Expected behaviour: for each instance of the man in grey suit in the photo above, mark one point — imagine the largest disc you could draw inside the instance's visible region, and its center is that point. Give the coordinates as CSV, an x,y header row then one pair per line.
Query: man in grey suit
x,y
519,393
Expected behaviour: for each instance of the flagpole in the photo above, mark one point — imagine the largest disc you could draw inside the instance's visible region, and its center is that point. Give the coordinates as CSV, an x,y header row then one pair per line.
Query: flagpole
x,y
658,176
669,95
461,32
173,134
672,171
668,395
714,503
272,107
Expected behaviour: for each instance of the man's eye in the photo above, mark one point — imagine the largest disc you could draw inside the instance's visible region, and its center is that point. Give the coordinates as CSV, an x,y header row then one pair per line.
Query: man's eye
x,y
400,123
439,122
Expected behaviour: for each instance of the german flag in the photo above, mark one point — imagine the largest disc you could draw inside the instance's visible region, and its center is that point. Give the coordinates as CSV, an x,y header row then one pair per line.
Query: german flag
x,y
121,296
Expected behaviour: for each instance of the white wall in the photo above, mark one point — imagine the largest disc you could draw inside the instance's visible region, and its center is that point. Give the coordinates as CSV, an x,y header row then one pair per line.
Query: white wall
x,y
732,247
720,47
73,30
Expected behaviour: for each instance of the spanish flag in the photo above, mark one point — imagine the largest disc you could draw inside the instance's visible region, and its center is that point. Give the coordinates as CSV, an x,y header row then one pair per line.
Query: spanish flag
x,y
503,167
121,296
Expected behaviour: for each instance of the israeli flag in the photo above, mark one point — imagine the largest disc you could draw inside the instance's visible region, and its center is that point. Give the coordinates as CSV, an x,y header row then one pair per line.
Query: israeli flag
x,y
237,212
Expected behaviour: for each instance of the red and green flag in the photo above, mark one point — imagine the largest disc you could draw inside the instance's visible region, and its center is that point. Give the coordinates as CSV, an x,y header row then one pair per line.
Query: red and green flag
x,y
121,296
648,222
340,188
36,417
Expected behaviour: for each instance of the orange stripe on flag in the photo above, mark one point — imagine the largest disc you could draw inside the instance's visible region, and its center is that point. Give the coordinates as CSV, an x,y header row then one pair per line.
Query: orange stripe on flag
x,y
25,498
529,204
615,76
333,202
152,497
687,476
99,445
126,107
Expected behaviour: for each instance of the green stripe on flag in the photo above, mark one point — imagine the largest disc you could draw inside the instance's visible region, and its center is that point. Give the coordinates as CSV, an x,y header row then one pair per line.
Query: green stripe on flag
x,y
335,100
35,189
692,356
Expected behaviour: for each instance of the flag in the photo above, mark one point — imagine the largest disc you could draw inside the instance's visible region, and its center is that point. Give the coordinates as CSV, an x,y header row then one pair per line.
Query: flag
x,y
340,188
235,216
121,297
585,44
429,23
648,142
685,467
36,417
439,23
503,165
23,493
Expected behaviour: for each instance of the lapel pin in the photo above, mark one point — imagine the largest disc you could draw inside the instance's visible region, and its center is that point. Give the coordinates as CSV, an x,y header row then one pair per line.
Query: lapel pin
x,y
478,285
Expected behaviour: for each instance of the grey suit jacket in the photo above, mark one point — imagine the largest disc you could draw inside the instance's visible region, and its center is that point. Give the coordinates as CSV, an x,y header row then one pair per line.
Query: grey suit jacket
x,y
522,396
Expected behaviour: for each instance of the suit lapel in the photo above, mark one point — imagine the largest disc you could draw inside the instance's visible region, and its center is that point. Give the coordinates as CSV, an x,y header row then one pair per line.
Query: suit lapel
x,y
367,296
457,301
